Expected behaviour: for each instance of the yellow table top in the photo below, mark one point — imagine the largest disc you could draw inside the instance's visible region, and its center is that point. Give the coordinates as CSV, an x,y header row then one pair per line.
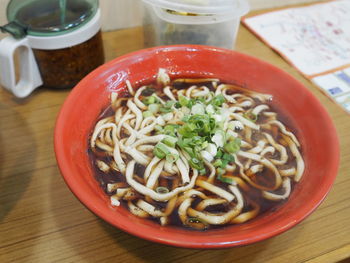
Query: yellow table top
x,y
42,221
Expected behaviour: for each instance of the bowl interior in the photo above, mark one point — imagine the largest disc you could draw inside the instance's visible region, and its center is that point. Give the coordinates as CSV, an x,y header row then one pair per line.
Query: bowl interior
x,y
313,126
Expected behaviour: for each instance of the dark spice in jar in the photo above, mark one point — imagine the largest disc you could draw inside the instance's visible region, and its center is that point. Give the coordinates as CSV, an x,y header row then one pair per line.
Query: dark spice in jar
x,y
64,68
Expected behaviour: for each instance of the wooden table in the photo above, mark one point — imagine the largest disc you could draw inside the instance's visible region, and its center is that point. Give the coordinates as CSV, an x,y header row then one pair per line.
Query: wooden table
x,y
42,221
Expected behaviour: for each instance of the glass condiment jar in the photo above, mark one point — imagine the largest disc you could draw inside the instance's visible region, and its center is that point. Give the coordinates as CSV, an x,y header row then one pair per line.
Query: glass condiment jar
x,y
58,41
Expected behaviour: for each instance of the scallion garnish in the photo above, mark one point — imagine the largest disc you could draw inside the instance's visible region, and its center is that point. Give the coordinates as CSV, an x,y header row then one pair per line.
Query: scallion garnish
x,y
228,157
198,109
196,163
177,105
220,171
147,113
225,179
171,157
160,151
183,101
154,108
165,110
150,100
163,151
233,145
201,128
170,141
217,100
218,163
170,129
219,153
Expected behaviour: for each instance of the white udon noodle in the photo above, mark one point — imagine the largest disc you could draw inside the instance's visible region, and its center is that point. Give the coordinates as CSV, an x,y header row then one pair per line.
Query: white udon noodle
x,y
129,138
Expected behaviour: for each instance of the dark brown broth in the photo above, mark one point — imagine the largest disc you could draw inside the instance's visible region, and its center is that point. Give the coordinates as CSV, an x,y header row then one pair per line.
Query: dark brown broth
x,y
266,206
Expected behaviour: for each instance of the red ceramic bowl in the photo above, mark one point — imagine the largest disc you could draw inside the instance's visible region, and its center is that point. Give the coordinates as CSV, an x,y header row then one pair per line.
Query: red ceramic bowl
x,y
314,129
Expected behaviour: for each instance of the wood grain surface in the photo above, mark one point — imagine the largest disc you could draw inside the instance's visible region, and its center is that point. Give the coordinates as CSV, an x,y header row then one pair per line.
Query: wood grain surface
x,y
42,221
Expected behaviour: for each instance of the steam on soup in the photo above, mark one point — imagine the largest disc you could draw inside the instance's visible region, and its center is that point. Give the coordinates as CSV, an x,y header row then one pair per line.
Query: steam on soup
x,y
194,152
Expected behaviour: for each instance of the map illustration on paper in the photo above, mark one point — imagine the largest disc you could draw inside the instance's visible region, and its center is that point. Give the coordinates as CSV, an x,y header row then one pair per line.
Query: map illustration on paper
x,y
314,38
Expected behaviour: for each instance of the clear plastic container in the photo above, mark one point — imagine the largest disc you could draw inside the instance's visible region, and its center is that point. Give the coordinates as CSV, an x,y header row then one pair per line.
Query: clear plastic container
x,y
210,22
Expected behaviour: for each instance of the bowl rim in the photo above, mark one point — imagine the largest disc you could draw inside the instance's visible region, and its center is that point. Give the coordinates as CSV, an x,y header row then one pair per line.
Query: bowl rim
x,y
79,193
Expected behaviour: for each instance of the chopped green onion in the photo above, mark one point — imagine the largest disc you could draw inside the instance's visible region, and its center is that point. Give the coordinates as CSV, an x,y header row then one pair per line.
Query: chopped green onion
x,y
220,171
202,171
165,110
198,109
228,157
154,108
172,157
218,163
204,145
217,100
187,130
225,179
163,151
186,111
197,125
168,116
170,129
196,163
190,151
192,146
212,123
158,151
169,104
224,164
186,118
150,100
146,114
183,101
218,138
219,153
233,146
162,190
210,109
195,140
170,141
192,102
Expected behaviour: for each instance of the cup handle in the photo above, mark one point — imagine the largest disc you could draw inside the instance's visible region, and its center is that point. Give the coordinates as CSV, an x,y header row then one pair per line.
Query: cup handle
x,y
29,78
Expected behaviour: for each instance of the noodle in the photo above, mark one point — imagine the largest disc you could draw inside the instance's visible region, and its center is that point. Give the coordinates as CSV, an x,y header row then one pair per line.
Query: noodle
x,y
195,152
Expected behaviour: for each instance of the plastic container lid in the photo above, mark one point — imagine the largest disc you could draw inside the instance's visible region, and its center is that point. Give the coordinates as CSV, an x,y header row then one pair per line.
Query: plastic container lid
x,y
69,39
50,17
236,7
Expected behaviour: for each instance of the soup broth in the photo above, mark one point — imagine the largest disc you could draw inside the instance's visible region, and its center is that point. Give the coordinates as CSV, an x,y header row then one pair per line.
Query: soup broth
x,y
195,153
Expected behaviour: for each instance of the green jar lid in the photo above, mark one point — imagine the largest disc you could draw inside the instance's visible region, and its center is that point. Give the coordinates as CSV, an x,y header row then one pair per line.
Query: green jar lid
x,y
47,17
